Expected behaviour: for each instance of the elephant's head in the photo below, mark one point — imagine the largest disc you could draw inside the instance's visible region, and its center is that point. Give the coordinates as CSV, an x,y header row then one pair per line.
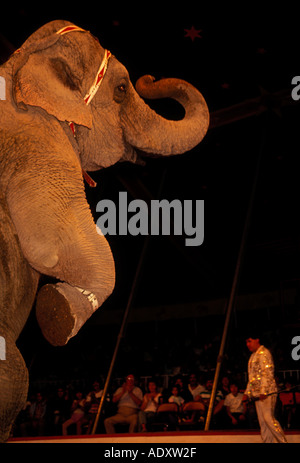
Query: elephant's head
x,y
55,70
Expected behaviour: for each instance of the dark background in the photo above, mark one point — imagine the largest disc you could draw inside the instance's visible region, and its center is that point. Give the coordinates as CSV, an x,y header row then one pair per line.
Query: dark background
x,y
241,55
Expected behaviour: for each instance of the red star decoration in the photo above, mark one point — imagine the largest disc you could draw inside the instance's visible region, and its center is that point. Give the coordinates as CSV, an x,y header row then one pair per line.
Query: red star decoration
x,y
193,33
261,51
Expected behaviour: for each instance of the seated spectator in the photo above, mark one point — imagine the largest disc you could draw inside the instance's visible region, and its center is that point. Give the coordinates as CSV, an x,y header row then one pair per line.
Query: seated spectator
x,y
35,425
235,408
194,387
205,396
175,396
183,389
128,399
92,405
148,407
58,408
77,414
225,385
169,418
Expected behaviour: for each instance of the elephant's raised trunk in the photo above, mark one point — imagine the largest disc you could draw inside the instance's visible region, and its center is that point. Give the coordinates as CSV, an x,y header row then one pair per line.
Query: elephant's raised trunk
x,y
152,133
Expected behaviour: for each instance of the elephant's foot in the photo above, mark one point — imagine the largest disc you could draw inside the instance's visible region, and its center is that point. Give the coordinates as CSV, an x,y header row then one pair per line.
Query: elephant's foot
x,y
61,310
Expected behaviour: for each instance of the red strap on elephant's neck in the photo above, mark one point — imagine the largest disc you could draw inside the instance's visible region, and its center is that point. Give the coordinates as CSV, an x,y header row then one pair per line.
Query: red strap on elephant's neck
x,y
86,176
93,89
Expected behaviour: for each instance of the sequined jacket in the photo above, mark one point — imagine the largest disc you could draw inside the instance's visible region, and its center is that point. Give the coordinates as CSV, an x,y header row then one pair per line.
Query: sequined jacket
x,y
261,373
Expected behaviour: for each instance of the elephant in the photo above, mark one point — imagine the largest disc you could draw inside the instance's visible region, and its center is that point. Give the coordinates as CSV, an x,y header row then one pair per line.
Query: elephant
x,y
69,109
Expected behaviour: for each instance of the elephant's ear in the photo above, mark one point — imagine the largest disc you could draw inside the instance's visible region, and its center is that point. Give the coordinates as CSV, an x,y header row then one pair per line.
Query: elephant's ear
x,y
49,83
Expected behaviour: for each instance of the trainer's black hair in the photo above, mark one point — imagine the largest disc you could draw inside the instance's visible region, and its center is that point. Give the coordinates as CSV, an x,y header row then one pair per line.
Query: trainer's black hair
x,y
253,332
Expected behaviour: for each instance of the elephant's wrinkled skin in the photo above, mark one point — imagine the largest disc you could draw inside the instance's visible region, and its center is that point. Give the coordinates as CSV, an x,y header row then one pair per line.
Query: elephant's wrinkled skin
x,y
46,225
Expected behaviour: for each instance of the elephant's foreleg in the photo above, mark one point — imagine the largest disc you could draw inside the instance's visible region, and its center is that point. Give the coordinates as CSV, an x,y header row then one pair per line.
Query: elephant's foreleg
x,y
63,308
59,238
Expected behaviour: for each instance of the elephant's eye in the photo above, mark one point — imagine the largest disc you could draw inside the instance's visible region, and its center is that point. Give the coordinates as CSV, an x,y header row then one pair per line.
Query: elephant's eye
x,y
120,92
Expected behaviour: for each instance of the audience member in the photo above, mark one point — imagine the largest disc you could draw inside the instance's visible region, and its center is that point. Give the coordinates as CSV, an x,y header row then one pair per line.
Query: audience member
x,y
194,387
128,399
58,408
235,408
183,389
204,398
148,407
225,385
35,425
77,414
175,396
92,405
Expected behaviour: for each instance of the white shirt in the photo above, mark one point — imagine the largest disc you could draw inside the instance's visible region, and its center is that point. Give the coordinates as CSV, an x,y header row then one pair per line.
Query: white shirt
x,y
234,402
126,400
196,391
152,404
